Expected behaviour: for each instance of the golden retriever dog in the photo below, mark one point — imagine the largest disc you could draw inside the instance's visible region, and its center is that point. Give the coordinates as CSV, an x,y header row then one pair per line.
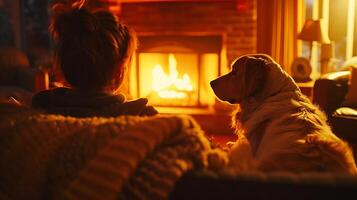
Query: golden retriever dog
x,y
278,128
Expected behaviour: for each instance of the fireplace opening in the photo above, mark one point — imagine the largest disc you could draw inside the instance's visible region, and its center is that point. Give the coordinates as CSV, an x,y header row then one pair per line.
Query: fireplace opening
x,y
166,82
175,71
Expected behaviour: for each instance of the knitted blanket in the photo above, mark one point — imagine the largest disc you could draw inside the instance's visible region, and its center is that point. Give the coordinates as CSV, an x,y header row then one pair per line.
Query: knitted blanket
x,y
57,157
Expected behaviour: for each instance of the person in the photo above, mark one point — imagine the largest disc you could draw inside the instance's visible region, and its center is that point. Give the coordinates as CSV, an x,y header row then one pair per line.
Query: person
x,y
92,51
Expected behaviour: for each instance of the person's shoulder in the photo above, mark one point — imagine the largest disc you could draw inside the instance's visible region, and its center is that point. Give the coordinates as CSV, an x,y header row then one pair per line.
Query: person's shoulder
x,y
139,107
42,98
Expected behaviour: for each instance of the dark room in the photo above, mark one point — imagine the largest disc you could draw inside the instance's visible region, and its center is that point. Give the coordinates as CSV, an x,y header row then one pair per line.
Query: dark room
x,y
178,99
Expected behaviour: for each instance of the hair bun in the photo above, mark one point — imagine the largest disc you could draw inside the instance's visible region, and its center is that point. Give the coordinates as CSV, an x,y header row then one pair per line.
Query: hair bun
x,y
85,21
71,20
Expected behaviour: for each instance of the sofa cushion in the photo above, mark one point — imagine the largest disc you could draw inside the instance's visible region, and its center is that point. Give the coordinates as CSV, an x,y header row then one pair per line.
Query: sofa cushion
x,y
13,57
17,93
346,111
258,185
351,98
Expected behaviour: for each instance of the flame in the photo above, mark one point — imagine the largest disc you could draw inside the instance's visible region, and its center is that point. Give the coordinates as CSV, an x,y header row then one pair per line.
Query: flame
x,y
170,85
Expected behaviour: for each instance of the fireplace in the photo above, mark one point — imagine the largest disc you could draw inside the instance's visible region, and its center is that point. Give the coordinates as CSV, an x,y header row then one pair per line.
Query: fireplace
x,y
183,45
175,70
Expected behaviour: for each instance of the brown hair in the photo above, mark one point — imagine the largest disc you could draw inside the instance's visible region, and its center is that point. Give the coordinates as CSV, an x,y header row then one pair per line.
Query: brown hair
x,y
92,47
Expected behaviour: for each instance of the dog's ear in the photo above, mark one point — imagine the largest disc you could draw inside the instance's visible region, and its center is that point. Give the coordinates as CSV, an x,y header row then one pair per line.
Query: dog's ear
x,y
256,74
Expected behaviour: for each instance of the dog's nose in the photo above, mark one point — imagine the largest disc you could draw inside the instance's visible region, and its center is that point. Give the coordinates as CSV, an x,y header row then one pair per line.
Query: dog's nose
x,y
219,88
213,83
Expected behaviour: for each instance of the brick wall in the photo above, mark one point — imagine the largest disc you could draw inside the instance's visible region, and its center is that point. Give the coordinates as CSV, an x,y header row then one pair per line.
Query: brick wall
x,y
236,24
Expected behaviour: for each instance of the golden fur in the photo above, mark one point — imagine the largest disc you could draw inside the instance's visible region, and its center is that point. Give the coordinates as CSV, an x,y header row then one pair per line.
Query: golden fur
x,y
278,128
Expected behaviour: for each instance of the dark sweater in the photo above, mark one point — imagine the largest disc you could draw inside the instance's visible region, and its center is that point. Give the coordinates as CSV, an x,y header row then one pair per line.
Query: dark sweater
x,y
69,102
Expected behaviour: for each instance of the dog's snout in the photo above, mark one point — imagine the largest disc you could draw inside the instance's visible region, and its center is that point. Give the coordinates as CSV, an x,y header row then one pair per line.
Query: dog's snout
x,y
222,88
213,83
218,88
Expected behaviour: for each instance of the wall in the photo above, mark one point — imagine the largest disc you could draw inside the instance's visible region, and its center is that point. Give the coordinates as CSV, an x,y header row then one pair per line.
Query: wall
x,y
236,20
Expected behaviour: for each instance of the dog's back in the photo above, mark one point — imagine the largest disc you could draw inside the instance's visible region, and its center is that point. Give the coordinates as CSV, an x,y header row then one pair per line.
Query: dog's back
x,y
295,137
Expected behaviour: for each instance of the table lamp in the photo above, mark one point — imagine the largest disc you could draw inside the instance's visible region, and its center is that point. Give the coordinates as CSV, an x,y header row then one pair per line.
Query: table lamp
x,y
314,30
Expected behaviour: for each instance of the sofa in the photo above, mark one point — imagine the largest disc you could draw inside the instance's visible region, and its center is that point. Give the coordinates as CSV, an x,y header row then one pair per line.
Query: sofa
x,y
331,93
19,80
45,156
264,186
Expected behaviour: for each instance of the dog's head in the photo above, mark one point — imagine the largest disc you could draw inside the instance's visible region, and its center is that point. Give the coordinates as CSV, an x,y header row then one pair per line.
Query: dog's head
x,y
246,79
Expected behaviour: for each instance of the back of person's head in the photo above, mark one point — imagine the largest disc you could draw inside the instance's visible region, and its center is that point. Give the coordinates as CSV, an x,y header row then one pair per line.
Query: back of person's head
x,y
92,47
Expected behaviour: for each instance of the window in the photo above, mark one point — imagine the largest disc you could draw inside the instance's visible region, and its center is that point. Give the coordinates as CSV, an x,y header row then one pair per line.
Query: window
x,y
24,24
9,26
340,16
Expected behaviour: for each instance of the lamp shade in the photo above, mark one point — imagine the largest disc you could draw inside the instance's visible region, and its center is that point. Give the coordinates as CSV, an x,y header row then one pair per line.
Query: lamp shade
x,y
314,30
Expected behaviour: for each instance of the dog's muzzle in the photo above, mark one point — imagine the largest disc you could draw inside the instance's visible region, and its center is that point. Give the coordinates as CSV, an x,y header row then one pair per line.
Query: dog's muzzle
x,y
218,88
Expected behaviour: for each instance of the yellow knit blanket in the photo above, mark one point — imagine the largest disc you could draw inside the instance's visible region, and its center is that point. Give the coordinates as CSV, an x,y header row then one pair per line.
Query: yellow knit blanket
x,y
56,157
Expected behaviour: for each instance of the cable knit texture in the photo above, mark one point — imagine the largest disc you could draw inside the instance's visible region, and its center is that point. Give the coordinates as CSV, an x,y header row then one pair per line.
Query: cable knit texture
x,y
56,157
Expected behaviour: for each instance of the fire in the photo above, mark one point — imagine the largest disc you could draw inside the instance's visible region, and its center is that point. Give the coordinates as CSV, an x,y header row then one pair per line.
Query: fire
x,y
170,85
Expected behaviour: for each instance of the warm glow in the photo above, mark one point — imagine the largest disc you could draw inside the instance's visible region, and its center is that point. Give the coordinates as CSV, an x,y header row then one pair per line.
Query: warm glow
x,y
170,85
113,5
174,79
